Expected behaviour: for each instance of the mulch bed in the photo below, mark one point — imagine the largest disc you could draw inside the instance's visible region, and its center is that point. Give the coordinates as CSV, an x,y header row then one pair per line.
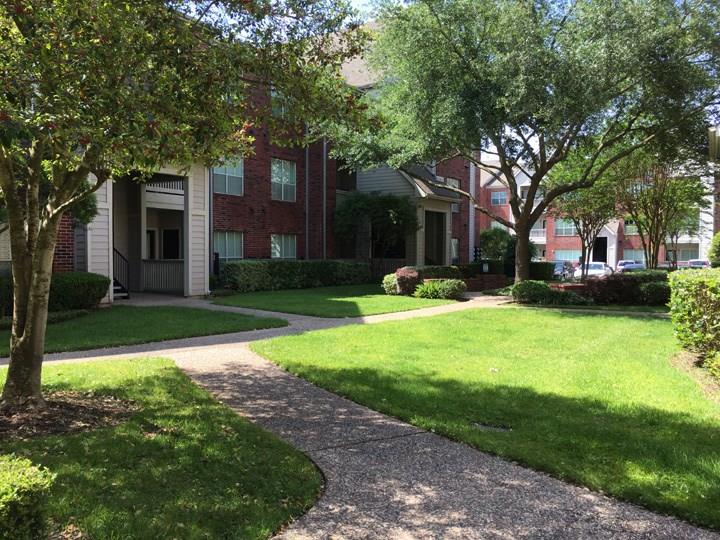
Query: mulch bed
x,y
66,413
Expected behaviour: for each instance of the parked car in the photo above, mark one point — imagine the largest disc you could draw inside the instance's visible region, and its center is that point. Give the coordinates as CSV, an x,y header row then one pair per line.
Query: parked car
x,y
563,270
629,266
594,269
698,263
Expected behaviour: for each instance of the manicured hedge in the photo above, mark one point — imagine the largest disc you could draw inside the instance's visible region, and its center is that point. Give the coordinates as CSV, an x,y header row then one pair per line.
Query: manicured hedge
x,y
628,288
408,279
439,272
478,268
540,293
695,310
542,271
270,275
389,284
461,271
68,291
24,492
449,289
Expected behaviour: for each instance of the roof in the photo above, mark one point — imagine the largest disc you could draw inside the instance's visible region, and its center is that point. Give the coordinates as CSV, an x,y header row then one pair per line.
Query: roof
x,y
427,184
356,71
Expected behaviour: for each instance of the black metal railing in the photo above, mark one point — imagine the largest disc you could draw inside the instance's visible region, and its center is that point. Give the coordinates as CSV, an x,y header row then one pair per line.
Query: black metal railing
x,y
121,269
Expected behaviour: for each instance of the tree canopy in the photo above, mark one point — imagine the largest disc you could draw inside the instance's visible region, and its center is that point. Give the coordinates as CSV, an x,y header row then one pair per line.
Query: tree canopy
x,y
533,83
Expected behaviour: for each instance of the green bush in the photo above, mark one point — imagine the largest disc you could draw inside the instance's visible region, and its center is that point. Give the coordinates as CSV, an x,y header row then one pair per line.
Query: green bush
x,y
475,269
540,293
623,288
655,293
714,253
408,280
77,290
439,272
270,275
713,366
543,271
389,284
695,310
449,289
24,492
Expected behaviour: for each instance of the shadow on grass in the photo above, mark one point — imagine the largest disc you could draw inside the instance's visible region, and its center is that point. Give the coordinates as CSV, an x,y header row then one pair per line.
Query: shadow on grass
x,y
665,460
183,467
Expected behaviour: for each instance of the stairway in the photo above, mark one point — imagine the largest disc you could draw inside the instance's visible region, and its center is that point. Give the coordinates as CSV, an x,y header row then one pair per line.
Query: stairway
x,y
119,292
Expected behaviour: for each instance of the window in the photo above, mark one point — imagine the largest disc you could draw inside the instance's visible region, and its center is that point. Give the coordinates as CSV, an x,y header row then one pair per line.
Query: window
x,y
637,255
228,245
572,255
684,253
282,180
564,227
455,250
455,183
228,178
498,198
278,104
630,227
283,246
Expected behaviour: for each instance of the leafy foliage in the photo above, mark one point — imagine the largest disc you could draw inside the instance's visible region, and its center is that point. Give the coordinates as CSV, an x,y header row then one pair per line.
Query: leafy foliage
x,y
391,218
450,289
408,279
24,491
493,243
714,253
389,284
629,288
77,290
540,293
695,310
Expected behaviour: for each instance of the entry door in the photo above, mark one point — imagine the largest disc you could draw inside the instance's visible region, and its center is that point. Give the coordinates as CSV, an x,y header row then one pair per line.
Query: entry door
x,y
435,238
600,250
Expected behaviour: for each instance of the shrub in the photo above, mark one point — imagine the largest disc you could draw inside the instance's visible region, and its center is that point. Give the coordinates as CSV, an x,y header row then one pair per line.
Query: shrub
x,y
450,289
77,290
493,243
24,491
478,268
540,293
714,253
655,293
623,288
270,275
439,272
389,284
713,366
408,279
695,310
543,271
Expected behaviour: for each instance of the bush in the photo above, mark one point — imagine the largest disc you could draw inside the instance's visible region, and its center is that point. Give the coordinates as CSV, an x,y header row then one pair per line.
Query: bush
x,y
270,275
478,268
623,288
695,310
449,289
543,271
24,492
439,272
389,284
655,293
77,290
493,243
540,293
714,253
713,366
408,280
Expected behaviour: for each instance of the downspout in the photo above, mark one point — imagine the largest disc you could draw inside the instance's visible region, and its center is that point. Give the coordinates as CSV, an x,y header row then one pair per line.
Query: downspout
x,y
211,224
471,224
324,200
307,196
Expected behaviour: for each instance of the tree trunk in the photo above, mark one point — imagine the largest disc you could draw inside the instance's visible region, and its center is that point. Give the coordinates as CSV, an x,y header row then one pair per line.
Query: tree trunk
x,y
522,253
31,288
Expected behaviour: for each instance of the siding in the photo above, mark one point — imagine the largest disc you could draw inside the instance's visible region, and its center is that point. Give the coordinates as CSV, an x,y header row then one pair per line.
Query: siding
x,y
100,235
385,180
198,234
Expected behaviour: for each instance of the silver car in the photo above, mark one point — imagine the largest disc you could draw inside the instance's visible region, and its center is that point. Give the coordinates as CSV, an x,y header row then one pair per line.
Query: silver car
x,y
594,269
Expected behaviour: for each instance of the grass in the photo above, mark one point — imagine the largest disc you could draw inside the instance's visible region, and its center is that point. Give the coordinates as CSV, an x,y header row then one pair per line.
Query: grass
x,y
345,301
129,325
615,307
589,398
185,466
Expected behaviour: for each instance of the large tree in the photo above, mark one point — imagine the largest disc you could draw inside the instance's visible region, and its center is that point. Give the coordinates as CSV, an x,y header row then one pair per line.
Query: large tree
x,y
94,89
661,195
531,83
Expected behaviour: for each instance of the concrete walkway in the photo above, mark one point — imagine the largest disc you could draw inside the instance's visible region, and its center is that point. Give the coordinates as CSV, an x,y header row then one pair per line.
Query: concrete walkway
x,y
386,479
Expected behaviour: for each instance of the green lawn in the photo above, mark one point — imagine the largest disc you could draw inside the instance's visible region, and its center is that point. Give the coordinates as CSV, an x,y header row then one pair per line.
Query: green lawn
x,y
346,301
615,307
185,466
589,398
128,325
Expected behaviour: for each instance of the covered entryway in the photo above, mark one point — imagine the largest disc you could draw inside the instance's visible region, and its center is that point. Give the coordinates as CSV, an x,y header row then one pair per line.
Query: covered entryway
x,y
435,247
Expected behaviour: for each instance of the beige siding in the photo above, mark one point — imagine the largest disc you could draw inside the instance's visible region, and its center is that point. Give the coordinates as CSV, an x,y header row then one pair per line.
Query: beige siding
x,y
198,252
385,180
99,237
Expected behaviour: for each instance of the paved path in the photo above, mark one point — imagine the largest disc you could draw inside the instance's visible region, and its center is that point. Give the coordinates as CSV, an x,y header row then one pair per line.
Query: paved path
x,y
386,479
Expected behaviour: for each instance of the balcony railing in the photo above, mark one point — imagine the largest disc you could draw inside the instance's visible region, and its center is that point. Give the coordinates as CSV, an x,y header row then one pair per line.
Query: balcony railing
x,y
538,233
163,275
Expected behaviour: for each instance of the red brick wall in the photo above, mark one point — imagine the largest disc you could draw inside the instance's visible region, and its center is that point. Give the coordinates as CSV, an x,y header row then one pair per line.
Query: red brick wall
x,y
459,168
65,247
258,216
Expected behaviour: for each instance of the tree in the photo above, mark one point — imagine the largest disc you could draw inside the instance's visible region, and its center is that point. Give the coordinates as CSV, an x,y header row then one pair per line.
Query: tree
x,y
493,243
95,90
660,196
390,219
714,253
519,87
589,210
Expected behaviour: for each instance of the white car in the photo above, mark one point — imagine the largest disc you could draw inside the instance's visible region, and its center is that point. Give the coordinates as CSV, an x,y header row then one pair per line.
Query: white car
x,y
594,269
698,263
628,266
